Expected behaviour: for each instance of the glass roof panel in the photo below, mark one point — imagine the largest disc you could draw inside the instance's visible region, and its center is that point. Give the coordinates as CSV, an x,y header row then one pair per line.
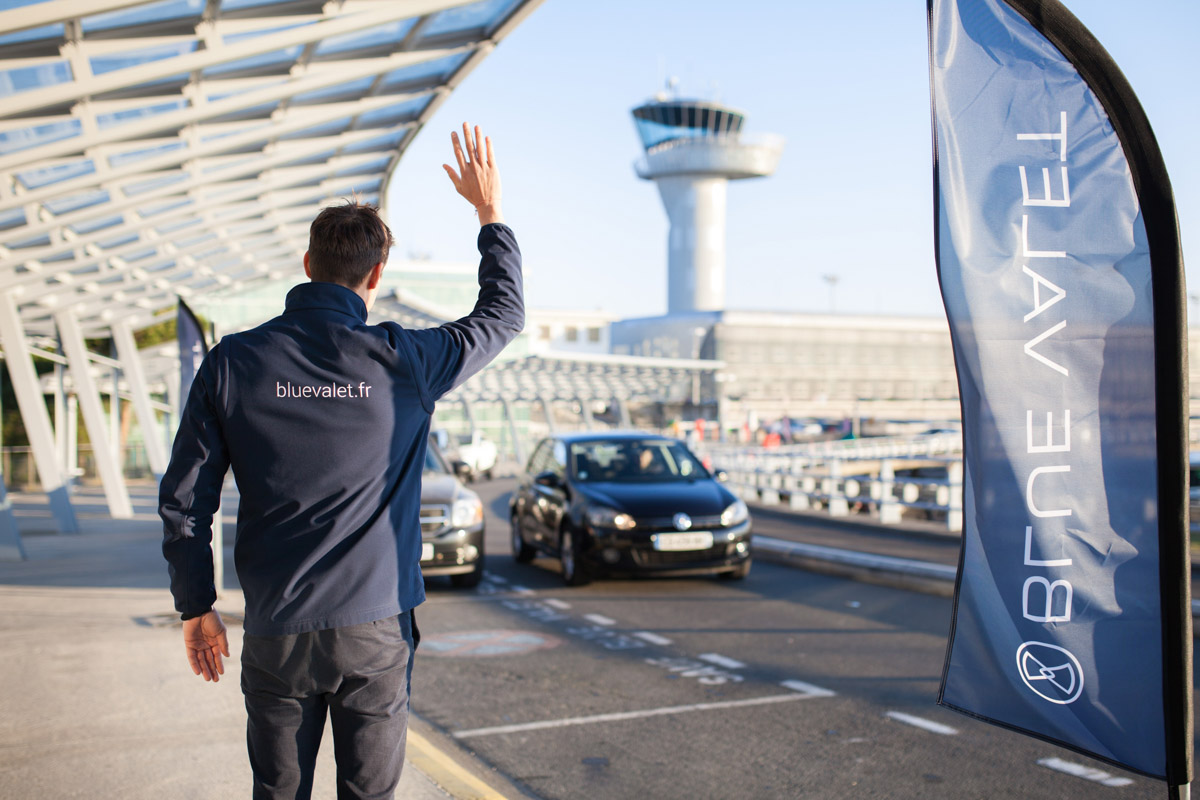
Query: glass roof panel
x,y
230,5
120,240
165,205
24,138
233,38
180,225
374,165
97,224
393,32
111,62
8,5
324,129
389,141
139,187
65,205
483,14
22,79
44,176
275,58
142,153
356,88
436,69
54,31
143,14
12,218
409,109
220,94
119,117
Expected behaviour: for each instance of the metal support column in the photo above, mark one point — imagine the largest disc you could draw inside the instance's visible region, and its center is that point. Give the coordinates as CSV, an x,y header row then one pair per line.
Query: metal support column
x,y
470,416
135,376
107,461
549,413
33,413
518,450
623,412
585,411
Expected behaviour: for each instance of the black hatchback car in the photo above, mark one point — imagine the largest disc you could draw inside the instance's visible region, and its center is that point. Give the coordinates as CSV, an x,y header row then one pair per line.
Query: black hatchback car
x,y
627,503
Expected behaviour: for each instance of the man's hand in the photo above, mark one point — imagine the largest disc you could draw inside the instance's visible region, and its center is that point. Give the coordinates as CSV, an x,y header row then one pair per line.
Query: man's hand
x,y
477,178
205,642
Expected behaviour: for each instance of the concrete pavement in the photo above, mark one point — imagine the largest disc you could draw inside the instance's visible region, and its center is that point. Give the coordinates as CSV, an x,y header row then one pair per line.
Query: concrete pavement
x,y
98,699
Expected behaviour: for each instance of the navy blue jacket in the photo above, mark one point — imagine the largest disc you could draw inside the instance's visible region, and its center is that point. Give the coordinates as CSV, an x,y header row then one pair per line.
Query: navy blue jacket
x,y
324,420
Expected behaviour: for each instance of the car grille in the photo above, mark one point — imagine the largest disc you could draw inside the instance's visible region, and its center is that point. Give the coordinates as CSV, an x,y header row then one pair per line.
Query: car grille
x,y
670,558
668,523
434,519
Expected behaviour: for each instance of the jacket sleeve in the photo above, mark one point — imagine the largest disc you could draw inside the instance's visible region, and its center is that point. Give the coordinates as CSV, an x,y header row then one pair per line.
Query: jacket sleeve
x,y
190,494
449,354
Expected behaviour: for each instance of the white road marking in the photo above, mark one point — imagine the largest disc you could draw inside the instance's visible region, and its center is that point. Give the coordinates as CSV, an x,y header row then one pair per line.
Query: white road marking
x,y
521,589
652,638
599,619
720,660
807,689
922,723
625,715
1080,771
491,576
562,605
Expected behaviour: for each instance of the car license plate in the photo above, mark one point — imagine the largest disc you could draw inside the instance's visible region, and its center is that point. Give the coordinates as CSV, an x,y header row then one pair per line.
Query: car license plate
x,y
692,540
426,551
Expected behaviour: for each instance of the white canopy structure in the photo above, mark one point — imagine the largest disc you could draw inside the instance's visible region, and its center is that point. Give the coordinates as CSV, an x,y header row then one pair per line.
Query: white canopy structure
x,y
157,150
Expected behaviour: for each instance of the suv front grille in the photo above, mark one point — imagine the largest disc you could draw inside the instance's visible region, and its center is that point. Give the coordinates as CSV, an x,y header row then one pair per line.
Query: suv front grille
x,y
434,519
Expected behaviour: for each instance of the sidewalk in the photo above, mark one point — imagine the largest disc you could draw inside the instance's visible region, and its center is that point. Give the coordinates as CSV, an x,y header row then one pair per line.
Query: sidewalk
x,y
98,700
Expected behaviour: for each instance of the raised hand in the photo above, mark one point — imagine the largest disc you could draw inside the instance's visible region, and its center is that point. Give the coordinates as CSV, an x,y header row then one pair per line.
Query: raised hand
x,y
477,178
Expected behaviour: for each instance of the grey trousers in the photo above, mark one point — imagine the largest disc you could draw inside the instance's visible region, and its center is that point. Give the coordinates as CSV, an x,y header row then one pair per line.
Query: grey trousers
x,y
359,676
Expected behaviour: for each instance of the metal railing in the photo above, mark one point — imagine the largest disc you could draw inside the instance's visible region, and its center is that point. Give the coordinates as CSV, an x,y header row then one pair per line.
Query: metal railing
x,y
891,479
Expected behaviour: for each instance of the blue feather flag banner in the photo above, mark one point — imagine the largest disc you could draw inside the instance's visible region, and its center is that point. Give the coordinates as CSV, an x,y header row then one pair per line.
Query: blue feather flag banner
x,y
192,348
1061,272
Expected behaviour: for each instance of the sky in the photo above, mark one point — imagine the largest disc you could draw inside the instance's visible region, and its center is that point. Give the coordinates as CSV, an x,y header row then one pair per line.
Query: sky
x,y
846,85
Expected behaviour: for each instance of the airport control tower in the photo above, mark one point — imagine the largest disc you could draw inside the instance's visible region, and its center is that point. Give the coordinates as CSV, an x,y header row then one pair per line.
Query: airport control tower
x,y
693,149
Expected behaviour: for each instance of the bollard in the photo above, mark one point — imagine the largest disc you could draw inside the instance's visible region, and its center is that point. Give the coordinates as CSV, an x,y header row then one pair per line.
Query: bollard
x,y
954,516
889,509
838,507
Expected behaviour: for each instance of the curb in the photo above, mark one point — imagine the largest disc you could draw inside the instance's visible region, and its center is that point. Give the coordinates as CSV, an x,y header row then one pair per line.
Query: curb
x,y
454,770
900,573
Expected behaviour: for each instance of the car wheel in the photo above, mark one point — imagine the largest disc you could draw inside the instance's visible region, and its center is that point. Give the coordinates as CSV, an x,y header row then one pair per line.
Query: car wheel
x,y
522,553
573,573
738,572
487,473
469,580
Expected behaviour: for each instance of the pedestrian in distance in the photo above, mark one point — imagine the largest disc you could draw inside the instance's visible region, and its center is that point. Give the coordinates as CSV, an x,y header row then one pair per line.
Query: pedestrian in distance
x,y
325,420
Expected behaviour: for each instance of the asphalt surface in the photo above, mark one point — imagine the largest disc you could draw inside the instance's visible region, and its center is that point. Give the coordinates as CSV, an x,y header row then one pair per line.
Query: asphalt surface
x,y
788,684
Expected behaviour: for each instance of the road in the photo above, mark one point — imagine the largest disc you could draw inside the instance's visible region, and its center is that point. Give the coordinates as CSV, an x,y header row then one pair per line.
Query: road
x,y
788,684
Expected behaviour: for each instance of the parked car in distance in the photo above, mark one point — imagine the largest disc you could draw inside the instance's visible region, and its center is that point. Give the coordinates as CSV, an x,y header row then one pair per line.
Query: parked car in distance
x,y
470,455
627,503
451,523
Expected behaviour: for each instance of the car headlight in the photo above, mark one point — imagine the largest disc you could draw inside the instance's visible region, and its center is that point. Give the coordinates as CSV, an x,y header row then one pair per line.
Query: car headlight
x,y
605,517
735,514
466,511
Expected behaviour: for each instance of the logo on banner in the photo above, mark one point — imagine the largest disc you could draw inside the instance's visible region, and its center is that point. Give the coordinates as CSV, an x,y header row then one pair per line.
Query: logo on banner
x,y
1051,672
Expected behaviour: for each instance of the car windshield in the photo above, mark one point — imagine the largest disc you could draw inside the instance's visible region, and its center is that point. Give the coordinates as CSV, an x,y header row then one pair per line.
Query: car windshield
x,y
433,462
633,460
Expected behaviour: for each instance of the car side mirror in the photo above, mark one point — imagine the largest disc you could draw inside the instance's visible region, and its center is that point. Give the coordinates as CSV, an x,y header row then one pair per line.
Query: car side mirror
x,y
462,469
549,478
721,475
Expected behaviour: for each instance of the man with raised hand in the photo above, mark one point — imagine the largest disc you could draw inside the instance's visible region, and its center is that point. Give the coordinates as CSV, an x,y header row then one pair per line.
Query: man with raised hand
x,y
324,420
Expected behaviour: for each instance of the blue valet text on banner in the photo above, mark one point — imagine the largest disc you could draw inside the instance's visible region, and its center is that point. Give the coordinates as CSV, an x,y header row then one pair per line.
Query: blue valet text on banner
x,y
1045,269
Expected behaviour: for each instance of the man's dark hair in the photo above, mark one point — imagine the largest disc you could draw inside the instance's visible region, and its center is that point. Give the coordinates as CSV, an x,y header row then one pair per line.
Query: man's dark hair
x,y
345,241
